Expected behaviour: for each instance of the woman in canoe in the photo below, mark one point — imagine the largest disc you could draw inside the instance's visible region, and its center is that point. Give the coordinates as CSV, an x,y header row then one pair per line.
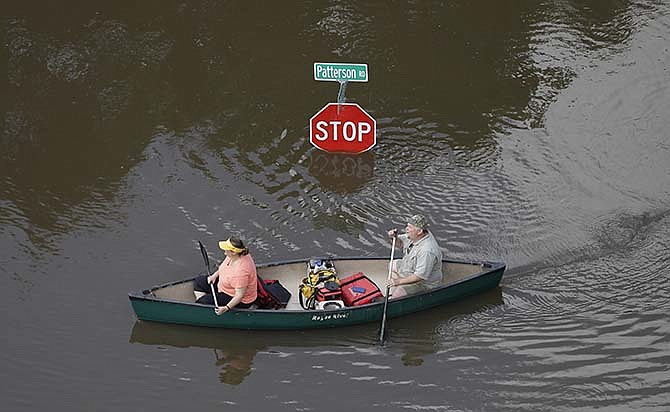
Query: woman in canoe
x,y
235,281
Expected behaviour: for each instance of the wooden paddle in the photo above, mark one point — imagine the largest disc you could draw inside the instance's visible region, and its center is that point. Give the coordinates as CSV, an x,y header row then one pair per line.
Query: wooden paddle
x,y
388,291
206,258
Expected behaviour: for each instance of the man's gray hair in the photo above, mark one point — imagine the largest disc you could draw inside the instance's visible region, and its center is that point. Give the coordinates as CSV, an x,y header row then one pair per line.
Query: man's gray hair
x,y
419,221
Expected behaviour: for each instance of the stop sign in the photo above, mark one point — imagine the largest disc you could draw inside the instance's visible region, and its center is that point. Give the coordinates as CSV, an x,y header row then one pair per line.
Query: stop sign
x,y
343,128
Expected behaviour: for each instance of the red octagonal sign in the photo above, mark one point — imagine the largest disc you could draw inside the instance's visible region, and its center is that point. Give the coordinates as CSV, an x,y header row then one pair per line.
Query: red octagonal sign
x,y
343,128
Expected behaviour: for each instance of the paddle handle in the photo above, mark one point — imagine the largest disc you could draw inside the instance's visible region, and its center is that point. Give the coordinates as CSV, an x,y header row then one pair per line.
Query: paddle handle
x,y
216,303
388,292
388,279
206,259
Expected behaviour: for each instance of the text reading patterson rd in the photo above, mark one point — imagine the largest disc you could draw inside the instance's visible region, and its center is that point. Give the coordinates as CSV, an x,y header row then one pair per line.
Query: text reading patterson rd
x,y
333,72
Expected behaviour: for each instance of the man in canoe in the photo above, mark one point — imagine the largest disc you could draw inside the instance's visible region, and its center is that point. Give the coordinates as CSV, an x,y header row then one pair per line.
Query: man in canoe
x,y
420,268
235,282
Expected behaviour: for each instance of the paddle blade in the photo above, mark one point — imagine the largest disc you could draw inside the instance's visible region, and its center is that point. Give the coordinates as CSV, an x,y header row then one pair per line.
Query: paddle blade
x,y
382,336
204,256
382,329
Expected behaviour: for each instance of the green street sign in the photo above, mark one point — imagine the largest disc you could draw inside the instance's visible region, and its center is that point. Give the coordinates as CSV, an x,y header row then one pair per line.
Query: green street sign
x,y
340,72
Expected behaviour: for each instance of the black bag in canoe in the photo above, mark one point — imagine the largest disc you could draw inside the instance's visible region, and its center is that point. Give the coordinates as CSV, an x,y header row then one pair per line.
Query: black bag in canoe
x,y
271,294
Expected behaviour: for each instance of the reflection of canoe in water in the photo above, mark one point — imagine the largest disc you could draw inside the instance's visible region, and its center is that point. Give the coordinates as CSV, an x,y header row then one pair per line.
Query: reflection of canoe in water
x,y
234,351
175,302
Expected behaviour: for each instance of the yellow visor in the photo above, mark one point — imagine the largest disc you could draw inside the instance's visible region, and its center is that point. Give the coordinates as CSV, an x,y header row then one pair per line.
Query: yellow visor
x,y
226,245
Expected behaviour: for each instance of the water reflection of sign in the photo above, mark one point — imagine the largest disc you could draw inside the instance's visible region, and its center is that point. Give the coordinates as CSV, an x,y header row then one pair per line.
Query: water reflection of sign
x,y
343,128
340,72
342,171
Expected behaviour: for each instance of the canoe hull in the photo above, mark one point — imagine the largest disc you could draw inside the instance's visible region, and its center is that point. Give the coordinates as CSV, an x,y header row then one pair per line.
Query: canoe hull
x,y
163,310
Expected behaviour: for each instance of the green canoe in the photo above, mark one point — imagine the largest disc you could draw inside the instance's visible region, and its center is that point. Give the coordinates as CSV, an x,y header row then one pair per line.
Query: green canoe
x,y
175,302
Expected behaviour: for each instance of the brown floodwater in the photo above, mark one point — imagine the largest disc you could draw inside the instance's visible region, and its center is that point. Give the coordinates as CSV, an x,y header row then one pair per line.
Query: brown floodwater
x,y
533,132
